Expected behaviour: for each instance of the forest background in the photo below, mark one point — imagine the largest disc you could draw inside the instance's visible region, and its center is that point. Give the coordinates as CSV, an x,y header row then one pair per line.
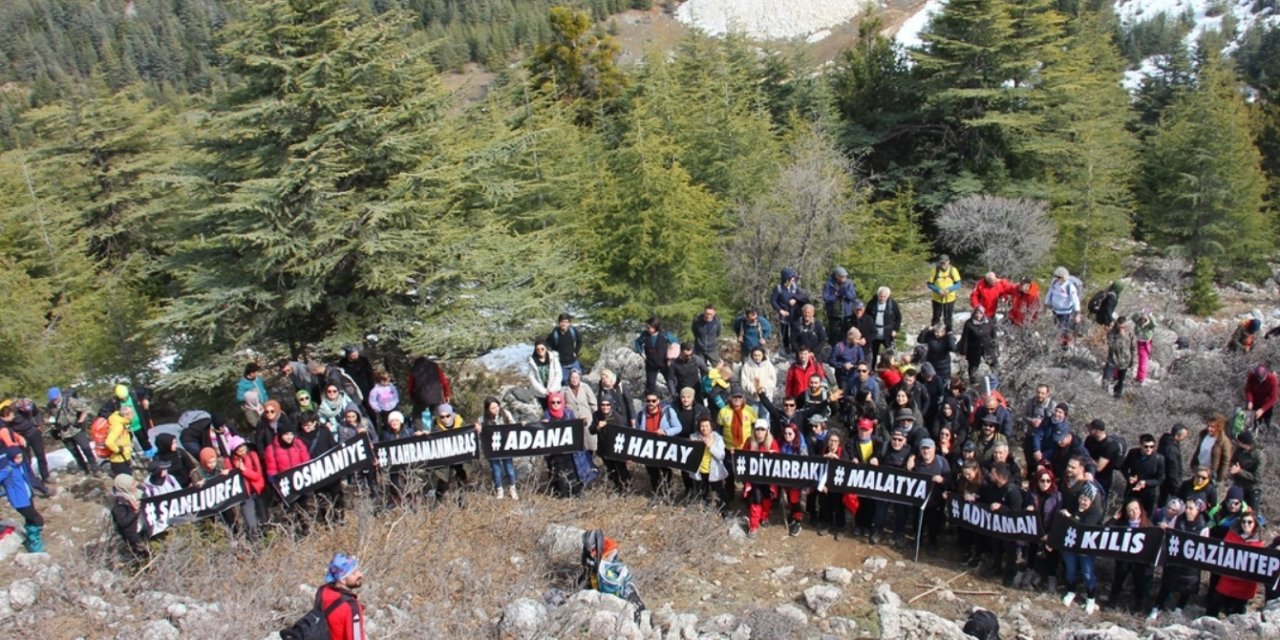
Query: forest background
x,y
188,185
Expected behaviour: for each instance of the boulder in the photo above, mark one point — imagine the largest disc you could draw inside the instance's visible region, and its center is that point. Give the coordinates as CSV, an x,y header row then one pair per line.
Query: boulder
x,y
22,594
907,624
562,544
160,630
724,623
1104,633
875,563
522,619
1177,632
782,573
838,575
820,597
793,614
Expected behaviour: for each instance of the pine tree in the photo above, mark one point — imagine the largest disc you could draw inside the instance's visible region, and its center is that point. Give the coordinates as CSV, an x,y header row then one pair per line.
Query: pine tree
x,y
1089,155
1202,298
1203,186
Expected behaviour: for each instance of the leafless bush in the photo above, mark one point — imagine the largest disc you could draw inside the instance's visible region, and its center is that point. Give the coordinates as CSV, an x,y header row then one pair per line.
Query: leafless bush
x,y
1009,236
798,222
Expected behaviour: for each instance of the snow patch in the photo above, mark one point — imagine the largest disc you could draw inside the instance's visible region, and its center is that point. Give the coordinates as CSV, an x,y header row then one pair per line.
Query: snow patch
x,y
909,33
510,357
767,19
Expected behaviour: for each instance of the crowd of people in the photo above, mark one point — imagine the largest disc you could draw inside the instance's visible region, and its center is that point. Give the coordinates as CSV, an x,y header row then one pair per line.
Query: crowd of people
x,y
848,392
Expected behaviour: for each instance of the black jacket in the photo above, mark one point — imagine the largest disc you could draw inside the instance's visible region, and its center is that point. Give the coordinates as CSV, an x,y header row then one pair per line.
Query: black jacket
x,y
938,351
892,318
977,340
1149,468
812,335
1173,468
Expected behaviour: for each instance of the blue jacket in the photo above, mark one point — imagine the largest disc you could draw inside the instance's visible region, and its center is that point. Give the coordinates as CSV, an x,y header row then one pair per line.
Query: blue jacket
x,y
838,298
752,335
246,385
17,486
843,354
669,424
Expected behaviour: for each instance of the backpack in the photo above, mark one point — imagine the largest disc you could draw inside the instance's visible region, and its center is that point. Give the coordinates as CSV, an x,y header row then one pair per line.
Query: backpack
x,y
314,625
1095,303
1238,424
98,431
983,625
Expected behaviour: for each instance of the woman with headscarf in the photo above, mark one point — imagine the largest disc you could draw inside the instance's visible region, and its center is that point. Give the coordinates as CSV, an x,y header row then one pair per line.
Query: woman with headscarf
x,y
159,481
1180,579
331,407
319,440
181,463
126,513
566,478
273,417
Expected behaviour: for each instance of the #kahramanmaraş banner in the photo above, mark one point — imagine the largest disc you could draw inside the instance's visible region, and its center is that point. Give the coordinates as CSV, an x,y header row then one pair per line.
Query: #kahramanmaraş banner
x,y
1119,543
879,483
650,449
1258,564
1010,525
540,439
211,497
428,450
355,454
764,467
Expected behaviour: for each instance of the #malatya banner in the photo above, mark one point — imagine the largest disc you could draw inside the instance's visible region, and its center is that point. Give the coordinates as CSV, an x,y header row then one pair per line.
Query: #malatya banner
x,y
879,483
211,497
356,454
650,449
540,439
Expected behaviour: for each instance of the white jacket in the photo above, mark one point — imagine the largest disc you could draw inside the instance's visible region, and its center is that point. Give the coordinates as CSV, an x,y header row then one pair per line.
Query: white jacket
x,y
764,373
554,375
718,470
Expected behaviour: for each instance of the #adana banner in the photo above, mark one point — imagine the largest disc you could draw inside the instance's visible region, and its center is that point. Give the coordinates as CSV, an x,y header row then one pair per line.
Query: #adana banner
x,y
428,450
514,440
1258,564
1129,545
650,449
212,497
1015,525
777,468
879,483
356,454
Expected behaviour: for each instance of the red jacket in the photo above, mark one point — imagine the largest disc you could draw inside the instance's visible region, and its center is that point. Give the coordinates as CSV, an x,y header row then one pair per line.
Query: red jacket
x,y
798,377
988,296
1235,587
346,622
252,472
280,458
1262,393
1024,308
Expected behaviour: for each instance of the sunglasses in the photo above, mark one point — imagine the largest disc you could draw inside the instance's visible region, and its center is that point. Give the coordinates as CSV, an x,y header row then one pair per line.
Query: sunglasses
x,y
899,439
864,370
651,402
556,404
1233,503
1148,446
1045,481
1202,477
788,404
270,412
331,392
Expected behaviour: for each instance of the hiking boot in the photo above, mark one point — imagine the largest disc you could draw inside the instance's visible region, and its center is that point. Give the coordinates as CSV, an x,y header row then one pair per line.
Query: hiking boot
x,y
1069,598
794,529
1090,606
751,535
836,533
875,538
501,493
514,495
1151,617
1052,587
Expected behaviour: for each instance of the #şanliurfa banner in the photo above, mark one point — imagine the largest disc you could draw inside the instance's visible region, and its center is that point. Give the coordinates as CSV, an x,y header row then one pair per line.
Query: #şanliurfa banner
x,y
211,497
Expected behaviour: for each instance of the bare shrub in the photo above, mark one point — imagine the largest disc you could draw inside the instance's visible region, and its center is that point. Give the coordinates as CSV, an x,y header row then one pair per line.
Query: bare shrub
x,y
1009,236
799,222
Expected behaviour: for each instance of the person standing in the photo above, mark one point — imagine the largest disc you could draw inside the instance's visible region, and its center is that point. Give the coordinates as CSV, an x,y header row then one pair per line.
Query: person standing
x,y
1122,350
566,341
752,331
944,284
885,322
653,345
1170,446
787,299
68,416
838,296
1024,303
1144,468
1248,464
358,367
1063,299
251,393
1261,390
1213,450
428,387
978,344
1144,329
343,612
706,334
988,292
17,487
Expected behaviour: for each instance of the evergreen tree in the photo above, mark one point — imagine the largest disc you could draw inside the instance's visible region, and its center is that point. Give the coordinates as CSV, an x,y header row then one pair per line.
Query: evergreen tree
x,y
1088,152
577,64
1202,184
1202,298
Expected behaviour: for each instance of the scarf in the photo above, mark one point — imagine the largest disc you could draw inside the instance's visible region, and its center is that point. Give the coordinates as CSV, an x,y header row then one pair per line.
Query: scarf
x,y
330,410
556,413
252,402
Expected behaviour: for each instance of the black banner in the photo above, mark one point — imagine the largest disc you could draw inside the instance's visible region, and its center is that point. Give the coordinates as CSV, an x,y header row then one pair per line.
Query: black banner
x,y
514,440
650,449
428,450
1014,525
879,483
212,497
349,457
778,468
1258,564
1129,545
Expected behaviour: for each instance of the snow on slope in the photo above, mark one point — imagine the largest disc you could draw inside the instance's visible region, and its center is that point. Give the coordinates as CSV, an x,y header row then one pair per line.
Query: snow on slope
x,y
767,19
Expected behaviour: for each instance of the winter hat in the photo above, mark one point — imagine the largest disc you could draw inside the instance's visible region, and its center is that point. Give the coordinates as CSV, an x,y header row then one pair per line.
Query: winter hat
x,y
1254,325
217,421
353,407
1117,286
286,427
1089,491
53,394
1236,492
970,445
1066,408
841,272
815,419
1061,272
158,464
927,370
928,443
340,567
944,258
121,392
787,274
446,409
207,455
1245,437
904,415
11,453
395,415
350,349
235,442
125,483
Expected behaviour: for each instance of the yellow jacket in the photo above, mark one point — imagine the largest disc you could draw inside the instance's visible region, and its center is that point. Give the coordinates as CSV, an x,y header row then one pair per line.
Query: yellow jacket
x,y
119,441
944,283
734,441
